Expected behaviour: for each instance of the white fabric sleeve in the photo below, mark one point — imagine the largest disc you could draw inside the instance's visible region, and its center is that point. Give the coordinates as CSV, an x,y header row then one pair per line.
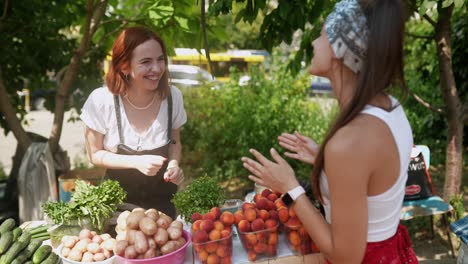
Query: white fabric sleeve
x,y
92,113
179,116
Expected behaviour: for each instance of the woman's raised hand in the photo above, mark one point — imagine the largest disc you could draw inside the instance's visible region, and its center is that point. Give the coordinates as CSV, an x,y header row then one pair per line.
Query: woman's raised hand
x,y
276,175
302,148
149,164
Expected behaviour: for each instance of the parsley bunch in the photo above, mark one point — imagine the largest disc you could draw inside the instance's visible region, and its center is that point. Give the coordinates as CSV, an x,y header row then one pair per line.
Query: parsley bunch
x,y
200,196
96,203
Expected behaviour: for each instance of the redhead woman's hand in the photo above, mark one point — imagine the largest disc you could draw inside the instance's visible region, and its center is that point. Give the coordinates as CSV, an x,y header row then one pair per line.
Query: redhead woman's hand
x,y
276,175
149,164
302,148
174,173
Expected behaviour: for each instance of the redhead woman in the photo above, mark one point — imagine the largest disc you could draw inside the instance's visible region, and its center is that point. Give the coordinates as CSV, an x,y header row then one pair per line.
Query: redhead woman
x,y
360,169
133,123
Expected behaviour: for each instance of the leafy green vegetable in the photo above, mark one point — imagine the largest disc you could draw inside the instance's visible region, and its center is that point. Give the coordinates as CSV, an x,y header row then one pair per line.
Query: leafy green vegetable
x,y
200,196
96,203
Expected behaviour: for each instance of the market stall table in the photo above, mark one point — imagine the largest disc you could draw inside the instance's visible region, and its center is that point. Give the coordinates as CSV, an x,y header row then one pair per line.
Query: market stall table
x,y
239,254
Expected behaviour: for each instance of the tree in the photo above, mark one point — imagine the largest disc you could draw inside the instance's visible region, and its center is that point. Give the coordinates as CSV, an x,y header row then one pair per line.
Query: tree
x,y
283,18
439,15
29,30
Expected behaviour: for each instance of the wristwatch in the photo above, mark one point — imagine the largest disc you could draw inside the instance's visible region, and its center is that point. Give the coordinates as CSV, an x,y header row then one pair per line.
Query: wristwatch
x,y
291,196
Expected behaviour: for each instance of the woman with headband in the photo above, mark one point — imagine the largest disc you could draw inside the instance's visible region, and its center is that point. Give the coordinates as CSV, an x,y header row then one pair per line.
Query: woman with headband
x,y
360,170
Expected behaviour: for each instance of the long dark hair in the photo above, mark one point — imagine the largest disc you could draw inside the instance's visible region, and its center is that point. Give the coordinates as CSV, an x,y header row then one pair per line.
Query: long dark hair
x,y
382,69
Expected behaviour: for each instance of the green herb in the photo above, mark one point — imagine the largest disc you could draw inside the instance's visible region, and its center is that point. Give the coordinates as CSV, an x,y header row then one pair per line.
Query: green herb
x,y
60,212
200,196
96,203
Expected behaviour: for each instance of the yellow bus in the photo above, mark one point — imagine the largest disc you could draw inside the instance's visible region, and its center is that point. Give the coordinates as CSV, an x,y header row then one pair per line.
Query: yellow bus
x,y
221,61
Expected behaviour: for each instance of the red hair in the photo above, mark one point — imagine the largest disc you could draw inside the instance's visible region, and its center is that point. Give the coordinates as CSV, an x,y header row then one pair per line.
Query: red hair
x,y
124,44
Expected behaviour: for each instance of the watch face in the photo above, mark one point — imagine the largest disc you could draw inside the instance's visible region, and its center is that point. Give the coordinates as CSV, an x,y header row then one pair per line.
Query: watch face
x,y
287,200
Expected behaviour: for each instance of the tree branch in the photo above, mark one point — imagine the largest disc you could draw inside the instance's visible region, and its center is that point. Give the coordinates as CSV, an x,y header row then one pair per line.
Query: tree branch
x,y
205,38
9,113
91,24
419,36
97,16
5,8
123,20
427,105
429,19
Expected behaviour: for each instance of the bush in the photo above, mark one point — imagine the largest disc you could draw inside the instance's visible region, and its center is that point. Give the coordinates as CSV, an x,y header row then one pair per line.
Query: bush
x,y
224,123
200,196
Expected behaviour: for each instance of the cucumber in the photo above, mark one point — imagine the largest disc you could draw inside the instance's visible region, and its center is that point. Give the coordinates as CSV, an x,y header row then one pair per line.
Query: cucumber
x,y
39,230
7,225
17,247
28,262
20,259
5,241
41,254
17,233
31,248
51,259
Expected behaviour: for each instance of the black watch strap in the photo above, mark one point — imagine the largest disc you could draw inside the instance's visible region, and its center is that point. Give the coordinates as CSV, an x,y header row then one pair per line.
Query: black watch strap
x,y
287,200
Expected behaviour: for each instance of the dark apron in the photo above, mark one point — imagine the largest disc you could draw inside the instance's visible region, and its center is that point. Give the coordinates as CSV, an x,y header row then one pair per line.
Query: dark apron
x,y
145,191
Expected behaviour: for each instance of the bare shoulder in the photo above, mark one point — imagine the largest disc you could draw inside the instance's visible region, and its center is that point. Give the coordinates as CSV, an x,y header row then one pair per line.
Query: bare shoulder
x,y
359,141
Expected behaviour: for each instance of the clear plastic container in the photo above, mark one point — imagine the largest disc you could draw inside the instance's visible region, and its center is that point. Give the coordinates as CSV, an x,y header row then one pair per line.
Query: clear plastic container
x,y
299,240
231,205
215,251
260,244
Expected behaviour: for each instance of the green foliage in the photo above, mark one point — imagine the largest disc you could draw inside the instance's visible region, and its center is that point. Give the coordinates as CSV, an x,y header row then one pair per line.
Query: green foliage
x,y
235,34
422,75
224,123
280,22
200,196
456,202
423,78
96,203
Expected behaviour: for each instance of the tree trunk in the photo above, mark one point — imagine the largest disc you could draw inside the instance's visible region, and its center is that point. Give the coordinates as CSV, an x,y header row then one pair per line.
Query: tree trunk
x,y
95,11
13,122
454,150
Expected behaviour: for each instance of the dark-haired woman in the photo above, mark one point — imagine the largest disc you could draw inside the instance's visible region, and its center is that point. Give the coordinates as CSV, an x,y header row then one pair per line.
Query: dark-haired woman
x,y
360,169
133,124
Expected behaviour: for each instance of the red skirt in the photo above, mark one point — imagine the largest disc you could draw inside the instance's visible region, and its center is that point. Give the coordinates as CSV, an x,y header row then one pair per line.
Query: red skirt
x,y
395,250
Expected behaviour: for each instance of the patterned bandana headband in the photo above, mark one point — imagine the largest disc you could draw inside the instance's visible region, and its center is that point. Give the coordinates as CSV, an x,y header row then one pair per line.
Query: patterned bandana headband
x,y
347,31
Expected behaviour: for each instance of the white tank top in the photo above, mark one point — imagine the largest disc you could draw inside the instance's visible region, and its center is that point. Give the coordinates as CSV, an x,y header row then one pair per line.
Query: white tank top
x,y
384,209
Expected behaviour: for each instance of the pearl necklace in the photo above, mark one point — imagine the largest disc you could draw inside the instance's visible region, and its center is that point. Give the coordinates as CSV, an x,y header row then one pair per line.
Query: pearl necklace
x,y
137,107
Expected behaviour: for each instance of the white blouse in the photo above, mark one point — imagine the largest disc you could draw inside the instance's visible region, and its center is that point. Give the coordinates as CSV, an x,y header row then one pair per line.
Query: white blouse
x,y
98,113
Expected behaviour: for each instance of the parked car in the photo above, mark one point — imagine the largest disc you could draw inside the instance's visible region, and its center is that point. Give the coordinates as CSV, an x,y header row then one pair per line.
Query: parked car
x,y
186,76
320,86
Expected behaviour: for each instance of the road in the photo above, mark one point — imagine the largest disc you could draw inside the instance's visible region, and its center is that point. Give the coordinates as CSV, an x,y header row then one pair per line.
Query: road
x,y
40,122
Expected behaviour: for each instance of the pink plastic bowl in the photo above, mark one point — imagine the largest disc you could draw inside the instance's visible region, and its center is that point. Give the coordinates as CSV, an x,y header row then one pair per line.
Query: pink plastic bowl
x,y
176,257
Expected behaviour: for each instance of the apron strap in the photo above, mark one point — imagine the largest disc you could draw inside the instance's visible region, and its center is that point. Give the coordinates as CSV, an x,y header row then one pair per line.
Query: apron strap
x,y
169,119
119,122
